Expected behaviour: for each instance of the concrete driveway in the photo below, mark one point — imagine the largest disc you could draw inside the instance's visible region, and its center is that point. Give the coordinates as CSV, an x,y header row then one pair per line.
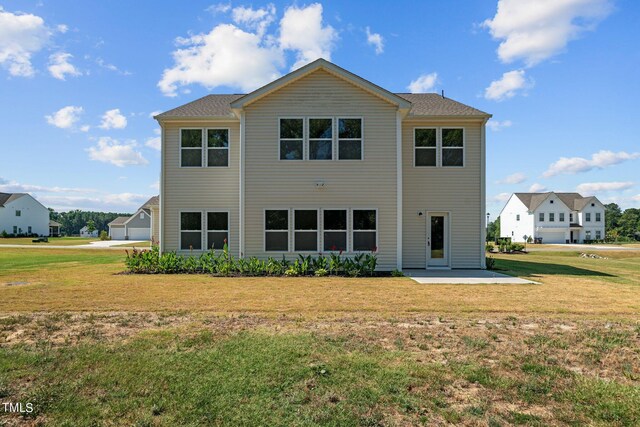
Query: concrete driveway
x,y
578,247
102,244
464,277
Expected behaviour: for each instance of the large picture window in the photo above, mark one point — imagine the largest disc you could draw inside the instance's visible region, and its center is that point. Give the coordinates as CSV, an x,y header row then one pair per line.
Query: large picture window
x,y
335,230
191,147
320,139
276,224
291,139
425,141
452,147
305,230
217,147
191,231
364,230
217,229
349,139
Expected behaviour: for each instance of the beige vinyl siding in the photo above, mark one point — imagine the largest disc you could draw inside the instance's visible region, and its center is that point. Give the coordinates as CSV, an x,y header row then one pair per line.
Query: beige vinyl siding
x,y
444,189
199,189
274,184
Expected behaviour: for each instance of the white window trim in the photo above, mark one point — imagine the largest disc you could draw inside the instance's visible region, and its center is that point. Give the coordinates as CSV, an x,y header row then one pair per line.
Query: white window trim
x,y
265,231
202,243
202,141
352,230
587,216
19,212
206,148
338,139
561,217
426,148
206,226
464,146
540,216
598,217
345,231
552,217
317,230
304,131
307,138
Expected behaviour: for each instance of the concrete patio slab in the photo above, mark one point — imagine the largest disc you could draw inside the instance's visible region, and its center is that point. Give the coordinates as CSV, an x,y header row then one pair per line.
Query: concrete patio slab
x,y
464,277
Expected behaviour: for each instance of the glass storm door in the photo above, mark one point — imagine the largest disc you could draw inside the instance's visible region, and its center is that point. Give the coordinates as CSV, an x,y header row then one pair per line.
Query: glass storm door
x,y
437,240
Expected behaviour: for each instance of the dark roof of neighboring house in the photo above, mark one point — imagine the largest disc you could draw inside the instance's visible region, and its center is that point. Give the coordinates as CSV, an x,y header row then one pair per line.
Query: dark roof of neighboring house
x,y
153,201
119,220
574,201
9,197
422,104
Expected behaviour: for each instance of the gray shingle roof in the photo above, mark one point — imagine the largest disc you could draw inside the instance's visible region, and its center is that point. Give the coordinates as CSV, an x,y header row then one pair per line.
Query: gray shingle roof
x,y
153,201
9,197
574,201
53,223
422,104
119,220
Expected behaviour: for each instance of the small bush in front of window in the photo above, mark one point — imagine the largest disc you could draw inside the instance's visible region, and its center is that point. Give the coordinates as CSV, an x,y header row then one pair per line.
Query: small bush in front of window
x,y
222,263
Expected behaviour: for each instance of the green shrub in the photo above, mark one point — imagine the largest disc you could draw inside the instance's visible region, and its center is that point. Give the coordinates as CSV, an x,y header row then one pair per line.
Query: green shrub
x,y
516,246
491,263
397,273
104,235
321,272
488,247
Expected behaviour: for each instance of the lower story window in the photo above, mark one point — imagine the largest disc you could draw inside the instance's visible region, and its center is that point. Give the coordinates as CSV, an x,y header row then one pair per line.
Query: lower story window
x,y
217,229
588,235
335,230
191,231
276,236
29,229
365,230
598,235
305,230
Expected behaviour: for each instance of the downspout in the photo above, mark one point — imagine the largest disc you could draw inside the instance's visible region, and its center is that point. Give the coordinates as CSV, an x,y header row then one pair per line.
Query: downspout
x,y
241,229
483,195
399,190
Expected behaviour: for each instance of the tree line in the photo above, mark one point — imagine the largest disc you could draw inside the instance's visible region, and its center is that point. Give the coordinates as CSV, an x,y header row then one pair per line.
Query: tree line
x,y
73,221
619,225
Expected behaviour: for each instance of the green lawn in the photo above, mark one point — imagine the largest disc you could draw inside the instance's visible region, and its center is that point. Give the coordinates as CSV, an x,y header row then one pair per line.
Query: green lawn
x,y
57,241
89,346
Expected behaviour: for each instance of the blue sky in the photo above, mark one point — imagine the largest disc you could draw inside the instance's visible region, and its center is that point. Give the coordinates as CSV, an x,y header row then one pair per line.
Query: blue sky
x,y
79,81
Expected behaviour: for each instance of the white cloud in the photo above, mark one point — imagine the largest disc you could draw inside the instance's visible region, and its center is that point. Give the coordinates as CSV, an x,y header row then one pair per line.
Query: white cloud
x,y
153,143
537,188
516,178
424,83
596,187
496,125
599,160
155,185
501,198
16,187
21,35
375,40
227,56
301,30
154,113
507,87
105,202
535,30
109,150
219,8
66,117
113,119
254,19
62,28
59,66
102,63
636,198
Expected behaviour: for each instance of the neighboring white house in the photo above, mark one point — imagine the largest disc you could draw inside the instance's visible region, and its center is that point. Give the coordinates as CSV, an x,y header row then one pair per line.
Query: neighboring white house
x,y
322,160
138,226
84,232
20,213
553,217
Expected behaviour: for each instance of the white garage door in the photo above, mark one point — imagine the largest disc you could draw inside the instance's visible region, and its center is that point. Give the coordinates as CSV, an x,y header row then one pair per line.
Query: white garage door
x,y
139,233
116,233
553,237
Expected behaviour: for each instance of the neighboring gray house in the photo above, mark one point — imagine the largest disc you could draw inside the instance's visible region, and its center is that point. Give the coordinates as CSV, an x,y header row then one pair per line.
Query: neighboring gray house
x,y
322,160
553,217
22,214
138,226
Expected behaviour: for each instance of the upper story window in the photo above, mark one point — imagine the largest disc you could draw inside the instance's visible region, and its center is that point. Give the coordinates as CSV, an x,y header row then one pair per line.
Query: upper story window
x,y
561,217
141,215
449,142
518,217
552,217
320,139
291,139
349,139
18,212
195,153
598,217
570,217
541,217
452,147
425,142
587,216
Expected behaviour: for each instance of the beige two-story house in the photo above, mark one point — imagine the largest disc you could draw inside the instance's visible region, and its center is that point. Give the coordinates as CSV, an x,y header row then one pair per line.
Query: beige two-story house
x,y
322,160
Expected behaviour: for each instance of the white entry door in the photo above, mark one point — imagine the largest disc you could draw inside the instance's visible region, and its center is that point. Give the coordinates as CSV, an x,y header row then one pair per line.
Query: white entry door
x,y
437,239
